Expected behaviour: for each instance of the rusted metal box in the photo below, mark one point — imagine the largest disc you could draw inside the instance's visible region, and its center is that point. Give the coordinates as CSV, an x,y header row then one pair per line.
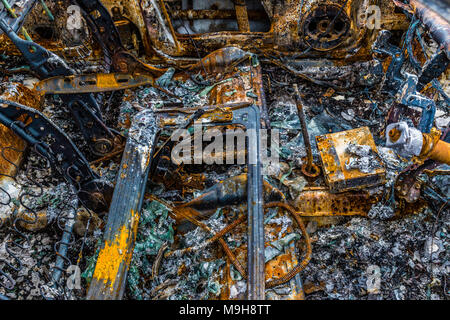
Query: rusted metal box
x,y
340,151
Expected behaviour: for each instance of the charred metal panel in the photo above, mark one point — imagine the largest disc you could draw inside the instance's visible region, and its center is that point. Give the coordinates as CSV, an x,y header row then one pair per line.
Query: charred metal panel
x,y
336,156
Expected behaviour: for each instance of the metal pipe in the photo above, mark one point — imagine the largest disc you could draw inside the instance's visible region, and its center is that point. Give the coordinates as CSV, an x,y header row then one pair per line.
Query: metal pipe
x,y
241,15
215,14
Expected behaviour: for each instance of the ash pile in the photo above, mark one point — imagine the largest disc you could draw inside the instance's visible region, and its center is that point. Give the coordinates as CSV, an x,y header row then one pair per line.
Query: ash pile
x,y
233,150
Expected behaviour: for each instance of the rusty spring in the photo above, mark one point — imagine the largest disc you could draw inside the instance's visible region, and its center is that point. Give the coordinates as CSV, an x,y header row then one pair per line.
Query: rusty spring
x,y
30,190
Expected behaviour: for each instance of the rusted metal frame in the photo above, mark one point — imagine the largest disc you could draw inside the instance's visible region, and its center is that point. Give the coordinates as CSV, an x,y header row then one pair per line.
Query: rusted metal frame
x,y
84,107
249,117
33,127
113,262
102,26
285,34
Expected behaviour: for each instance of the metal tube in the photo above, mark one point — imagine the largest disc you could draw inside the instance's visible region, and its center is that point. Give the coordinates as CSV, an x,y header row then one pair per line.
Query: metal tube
x,y
215,14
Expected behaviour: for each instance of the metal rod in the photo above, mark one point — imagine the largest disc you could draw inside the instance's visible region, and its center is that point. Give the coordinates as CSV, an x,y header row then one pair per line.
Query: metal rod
x,y
215,14
250,117
242,16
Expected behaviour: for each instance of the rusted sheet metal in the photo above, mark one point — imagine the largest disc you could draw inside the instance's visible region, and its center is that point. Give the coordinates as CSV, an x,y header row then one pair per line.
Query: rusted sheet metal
x,y
99,82
109,279
334,156
319,201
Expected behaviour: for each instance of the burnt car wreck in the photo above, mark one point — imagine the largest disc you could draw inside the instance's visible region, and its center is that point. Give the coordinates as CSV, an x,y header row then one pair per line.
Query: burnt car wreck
x,y
237,149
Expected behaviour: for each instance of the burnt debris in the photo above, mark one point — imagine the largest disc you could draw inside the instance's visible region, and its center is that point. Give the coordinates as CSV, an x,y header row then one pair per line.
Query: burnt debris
x,y
224,150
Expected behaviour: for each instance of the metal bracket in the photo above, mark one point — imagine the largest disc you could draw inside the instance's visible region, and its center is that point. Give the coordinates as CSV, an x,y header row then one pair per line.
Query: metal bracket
x,y
394,78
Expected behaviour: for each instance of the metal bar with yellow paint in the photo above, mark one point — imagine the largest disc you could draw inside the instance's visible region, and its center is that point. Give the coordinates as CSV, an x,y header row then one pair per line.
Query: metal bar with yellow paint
x,y
109,279
88,83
